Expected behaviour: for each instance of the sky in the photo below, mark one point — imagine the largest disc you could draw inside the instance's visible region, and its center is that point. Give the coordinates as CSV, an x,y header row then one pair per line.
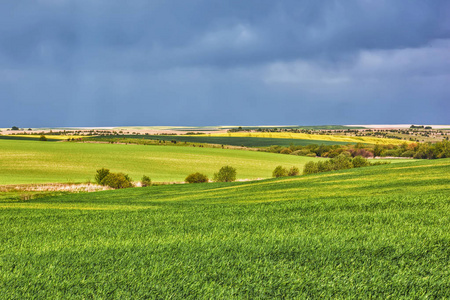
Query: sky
x,y
207,62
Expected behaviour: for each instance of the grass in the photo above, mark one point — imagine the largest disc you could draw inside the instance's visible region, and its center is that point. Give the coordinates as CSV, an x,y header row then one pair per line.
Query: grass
x,y
377,232
34,137
227,140
41,162
316,137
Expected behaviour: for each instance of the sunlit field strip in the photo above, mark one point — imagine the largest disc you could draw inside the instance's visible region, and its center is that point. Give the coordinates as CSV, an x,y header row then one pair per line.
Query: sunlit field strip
x,y
305,136
43,162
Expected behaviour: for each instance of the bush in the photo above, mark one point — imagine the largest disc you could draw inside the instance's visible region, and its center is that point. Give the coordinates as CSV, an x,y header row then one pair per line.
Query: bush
x,y
117,181
196,178
342,162
42,138
101,173
14,128
310,168
324,166
302,152
225,174
280,172
286,151
146,181
360,161
294,171
408,153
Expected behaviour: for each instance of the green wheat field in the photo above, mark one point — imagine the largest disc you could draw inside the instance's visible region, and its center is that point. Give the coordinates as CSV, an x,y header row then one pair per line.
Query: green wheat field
x,y
24,161
377,232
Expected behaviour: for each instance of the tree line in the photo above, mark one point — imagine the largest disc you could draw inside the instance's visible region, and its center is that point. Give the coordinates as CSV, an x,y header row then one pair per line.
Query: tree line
x,y
413,150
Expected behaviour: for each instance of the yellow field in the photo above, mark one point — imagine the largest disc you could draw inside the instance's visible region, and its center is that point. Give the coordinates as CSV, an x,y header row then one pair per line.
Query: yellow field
x,y
305,136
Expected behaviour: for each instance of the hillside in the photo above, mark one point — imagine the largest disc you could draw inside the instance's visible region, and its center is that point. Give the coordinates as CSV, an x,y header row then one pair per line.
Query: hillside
x,y
42,162
375,232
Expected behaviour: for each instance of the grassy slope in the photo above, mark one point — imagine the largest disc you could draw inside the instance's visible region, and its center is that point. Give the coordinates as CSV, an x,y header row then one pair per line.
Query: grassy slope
x,y
38,162
306,136
372,232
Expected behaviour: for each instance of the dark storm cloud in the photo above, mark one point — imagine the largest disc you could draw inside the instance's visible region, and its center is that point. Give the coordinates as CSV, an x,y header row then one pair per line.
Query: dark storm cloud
x,y
213,62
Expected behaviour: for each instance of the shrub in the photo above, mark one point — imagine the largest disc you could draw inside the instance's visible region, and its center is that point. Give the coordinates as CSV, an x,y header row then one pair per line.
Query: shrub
x,y
196,178
342,162
360,161
310,168
280,172
101,173
117,181
42,138
146,181
324,166
14,128
302,152
286,151
294,171
408,153
225,174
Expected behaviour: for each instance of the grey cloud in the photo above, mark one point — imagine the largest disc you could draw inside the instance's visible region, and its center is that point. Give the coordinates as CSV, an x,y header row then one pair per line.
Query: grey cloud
x,y
158,62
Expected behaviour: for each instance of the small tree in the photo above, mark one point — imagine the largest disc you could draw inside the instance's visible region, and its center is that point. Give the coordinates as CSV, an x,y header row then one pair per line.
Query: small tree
x,y
196,178
294,171
359,162
225,174
146,181
117,181
43,138
14,128
279,172
342,162
324,166
310,168
101,173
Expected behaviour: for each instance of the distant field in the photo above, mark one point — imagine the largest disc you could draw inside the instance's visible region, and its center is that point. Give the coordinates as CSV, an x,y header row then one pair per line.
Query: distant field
x,y
27,137
305,136
40,162
374,233
227,140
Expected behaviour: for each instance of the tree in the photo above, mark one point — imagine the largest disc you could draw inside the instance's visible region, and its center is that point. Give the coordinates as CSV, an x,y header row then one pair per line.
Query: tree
x,y
310,168
14,128
117,181
377,151
196,178
279,172
42,138
225,174
342,162
146,181
294,171
360,161
101,173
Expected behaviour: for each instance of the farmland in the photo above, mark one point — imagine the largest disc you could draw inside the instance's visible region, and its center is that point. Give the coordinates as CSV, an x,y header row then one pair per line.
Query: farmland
x,y
41,162
373,232
227,140
315,137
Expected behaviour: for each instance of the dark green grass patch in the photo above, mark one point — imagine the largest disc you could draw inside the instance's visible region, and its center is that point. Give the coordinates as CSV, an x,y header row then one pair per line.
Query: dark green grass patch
x,y
233,141
375,232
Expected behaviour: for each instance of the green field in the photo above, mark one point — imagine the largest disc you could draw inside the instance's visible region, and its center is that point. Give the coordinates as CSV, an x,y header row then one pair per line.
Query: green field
x,y
41,162
376,232
226,140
